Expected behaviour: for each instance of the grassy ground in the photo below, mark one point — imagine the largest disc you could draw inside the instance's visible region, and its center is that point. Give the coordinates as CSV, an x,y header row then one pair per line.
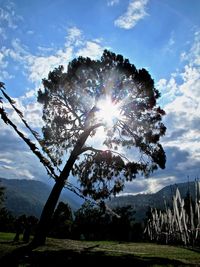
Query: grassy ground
x,y
66,252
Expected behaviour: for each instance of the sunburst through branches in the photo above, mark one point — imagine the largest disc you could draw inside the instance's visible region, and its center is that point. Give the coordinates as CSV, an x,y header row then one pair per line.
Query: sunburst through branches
x,y
109,111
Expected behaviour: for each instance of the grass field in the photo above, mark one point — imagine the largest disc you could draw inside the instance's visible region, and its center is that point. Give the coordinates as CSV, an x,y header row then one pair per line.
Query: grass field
x,y
58,252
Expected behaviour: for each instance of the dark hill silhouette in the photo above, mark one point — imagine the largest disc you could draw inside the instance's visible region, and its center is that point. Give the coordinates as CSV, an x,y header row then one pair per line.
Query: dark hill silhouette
x,y
141,202
29,196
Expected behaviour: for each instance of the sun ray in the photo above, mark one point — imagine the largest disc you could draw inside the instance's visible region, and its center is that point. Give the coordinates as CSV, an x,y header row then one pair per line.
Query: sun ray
x,y
108,111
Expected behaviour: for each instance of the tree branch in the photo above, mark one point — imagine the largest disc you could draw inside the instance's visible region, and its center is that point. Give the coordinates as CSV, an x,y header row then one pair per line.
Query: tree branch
x,y
46,163
12,102
34,133
84,149
70,109
127,128
90,148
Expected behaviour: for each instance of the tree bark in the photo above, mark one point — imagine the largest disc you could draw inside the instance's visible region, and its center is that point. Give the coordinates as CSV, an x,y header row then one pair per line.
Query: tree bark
x,y
45,219
47,213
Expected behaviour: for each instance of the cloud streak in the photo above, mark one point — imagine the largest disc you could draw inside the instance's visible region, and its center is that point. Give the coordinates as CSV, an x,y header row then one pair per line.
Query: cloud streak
x,y
181,101
8,18
181,92
135,12
112,2
38,67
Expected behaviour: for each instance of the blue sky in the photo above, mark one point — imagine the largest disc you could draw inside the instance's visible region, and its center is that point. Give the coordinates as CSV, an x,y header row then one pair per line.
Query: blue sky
x,y
162,36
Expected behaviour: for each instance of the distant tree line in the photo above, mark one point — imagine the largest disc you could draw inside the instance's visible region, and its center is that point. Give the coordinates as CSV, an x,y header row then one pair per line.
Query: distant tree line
x,y
90,222
6,218
22,225
179,225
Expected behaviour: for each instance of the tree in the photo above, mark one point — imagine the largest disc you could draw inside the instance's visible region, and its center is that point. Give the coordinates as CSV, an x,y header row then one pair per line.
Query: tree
x,y
6,218
89,222
121,226
2,192
30,223
93,223
62,221
92,113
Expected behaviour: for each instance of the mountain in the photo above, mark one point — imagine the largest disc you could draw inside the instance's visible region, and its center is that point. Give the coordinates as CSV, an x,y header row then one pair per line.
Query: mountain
x,y
141,202
29,196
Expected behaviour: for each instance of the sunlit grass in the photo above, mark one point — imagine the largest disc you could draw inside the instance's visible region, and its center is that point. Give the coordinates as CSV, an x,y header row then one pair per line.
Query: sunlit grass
x,y
142,251
148,250
6,236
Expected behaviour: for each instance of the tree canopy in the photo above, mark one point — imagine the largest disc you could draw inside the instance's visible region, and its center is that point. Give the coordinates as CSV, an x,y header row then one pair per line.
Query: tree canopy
x,y
112,107
102,124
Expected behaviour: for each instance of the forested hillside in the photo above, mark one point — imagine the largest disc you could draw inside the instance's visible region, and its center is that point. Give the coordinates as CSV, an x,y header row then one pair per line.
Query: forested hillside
x,y
141,202
29,196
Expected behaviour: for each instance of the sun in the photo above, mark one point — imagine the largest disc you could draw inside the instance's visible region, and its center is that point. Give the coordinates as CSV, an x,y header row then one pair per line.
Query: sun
x,y
108,111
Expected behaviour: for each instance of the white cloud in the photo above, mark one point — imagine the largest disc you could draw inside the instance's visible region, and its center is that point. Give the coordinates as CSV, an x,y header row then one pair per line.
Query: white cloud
x,y
3,65
150,185
7,161
112,2
169,89
182,102
188,98
35,68
134,13
24,165
18,52
30,32
91,49
2,33
25,174
8,18
29,94
43,49
74,36
194,53
171,41
16,172
31,110
38,67
4,75
169,47
33,114
7,167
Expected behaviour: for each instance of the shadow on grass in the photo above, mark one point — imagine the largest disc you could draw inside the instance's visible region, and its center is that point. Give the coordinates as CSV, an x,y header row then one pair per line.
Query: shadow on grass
x,y
22,256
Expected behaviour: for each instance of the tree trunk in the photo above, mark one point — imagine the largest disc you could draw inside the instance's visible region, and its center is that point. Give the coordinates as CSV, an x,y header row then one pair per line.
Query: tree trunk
x,y
47,213
45,219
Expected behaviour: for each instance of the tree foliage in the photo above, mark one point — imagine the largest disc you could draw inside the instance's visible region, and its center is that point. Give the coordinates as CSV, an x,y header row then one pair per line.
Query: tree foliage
x,y
62,220
2,191
92,222
6,218
71,103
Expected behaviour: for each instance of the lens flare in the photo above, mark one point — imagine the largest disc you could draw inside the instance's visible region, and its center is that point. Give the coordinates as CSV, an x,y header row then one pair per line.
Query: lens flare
x,y
108,111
